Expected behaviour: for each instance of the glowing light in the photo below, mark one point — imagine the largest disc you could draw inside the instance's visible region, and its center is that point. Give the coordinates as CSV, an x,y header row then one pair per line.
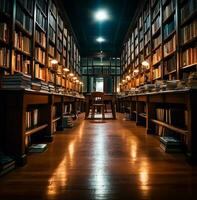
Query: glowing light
x,y
101,15
136,71
54,61
66,69
100,39
145,63
71,74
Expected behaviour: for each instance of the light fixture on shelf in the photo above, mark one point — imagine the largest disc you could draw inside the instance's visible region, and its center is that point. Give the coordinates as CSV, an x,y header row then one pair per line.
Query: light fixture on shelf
x,y
145,63
75,78
77,81
71,74
54,61
123,81
136,71
128,77
66,69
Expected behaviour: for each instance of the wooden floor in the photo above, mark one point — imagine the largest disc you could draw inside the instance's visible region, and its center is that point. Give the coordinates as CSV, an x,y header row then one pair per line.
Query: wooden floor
x,y
111,160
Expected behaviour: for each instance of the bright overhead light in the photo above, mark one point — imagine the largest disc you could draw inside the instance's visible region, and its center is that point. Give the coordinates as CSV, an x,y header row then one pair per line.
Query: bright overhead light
x,y
54,61
100,39
101,15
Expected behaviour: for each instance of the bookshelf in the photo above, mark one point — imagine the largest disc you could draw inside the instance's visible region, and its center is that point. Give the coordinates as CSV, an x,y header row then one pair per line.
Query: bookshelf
x,y
163,33
38,51
165,113
34,34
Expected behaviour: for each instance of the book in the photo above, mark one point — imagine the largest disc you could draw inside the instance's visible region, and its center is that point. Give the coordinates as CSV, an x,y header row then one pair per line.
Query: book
x,y
37,148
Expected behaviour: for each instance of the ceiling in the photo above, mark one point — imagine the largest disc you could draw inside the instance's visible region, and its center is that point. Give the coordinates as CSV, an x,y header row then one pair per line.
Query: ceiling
x,y
86,29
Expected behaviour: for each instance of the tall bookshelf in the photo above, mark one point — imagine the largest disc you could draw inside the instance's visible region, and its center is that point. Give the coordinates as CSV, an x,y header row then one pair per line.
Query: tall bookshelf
x,y
34,34
163,33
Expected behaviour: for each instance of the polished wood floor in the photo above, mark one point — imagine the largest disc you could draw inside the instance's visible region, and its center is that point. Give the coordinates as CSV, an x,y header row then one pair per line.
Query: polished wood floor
x,y
111,160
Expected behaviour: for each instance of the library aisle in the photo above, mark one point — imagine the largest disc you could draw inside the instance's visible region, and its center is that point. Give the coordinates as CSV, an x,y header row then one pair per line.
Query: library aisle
x,y
109,160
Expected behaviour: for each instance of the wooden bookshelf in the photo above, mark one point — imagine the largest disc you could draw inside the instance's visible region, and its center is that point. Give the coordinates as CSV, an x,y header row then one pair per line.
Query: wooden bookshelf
x,y
165,111
33,90
169,42
33,33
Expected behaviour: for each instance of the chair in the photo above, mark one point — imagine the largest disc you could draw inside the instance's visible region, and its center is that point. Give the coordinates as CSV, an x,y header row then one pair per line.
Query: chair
x,y
97,99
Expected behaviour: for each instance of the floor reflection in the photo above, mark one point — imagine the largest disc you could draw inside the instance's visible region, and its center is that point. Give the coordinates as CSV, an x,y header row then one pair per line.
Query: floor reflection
x,y
59,178
99,179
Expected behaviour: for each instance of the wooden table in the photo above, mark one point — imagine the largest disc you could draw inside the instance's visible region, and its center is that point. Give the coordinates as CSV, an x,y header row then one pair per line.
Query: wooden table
x,y
107,97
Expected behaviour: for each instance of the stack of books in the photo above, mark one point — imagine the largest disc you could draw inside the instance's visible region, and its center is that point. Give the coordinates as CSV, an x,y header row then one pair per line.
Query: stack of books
x,y
44,86
51,88
170,144
67,121
16,81
36,85
37,148
6,164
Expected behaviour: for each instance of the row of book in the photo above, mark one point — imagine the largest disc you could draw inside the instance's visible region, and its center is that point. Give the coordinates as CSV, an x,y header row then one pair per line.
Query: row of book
x,y
40,55
60,22
156,41
4,33
32,118
24,19
157,72
146,24
51,34
189,56
147,37
22,42
170,65
51,50
168,9
41,19
157,56
188,8
156,10
169,28
21,63
169,46
156,25
40,37
40,72
189,32
4,57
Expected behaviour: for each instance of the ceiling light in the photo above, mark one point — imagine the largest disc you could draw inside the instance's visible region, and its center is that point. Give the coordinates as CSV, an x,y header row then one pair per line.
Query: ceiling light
x,y
101,15
100,39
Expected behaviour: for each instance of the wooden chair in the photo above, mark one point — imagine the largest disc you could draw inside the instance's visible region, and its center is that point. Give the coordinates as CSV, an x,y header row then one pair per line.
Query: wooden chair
x,y
97,99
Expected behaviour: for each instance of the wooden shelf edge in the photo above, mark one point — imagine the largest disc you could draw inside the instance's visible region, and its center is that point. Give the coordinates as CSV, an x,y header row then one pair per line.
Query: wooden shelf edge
x,y
171,127
56,119
36,129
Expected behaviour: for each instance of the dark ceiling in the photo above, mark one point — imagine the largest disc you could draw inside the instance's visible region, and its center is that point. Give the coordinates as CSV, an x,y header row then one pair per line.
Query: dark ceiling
x,y
81,16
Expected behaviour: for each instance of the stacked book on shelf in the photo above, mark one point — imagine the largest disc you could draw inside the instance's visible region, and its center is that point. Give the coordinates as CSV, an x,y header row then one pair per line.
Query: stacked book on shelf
x,y
35,85
16,81
67,121
37,148
170,144
6,164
